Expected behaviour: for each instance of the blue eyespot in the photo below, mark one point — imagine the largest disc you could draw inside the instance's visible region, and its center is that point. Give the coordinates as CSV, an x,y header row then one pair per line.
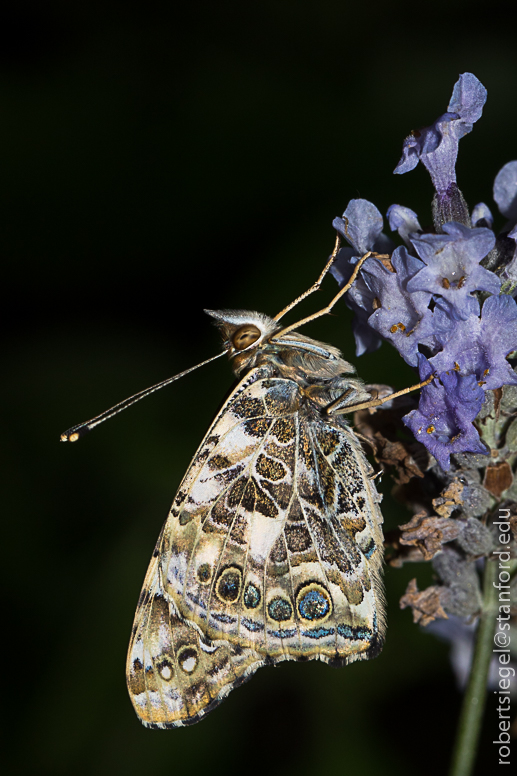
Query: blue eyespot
x,y
228,585
314,603
280,609
251,596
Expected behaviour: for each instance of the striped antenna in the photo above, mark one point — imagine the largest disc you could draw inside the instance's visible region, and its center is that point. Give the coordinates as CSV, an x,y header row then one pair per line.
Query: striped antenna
x,y
76,432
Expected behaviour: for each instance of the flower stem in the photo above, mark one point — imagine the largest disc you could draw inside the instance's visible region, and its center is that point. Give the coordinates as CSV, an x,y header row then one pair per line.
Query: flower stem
x,y
471,717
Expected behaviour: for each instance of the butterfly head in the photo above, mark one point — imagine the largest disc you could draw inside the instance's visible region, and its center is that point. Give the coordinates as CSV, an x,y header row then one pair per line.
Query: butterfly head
x,y
243,332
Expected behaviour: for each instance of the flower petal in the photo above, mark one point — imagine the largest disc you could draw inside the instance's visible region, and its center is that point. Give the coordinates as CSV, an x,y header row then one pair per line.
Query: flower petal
x,y
443,420
360,225
479,346
505,190
404,221
453,270
481,215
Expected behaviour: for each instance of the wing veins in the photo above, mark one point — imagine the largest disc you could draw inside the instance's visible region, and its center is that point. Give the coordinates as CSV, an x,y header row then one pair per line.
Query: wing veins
x,y
309,435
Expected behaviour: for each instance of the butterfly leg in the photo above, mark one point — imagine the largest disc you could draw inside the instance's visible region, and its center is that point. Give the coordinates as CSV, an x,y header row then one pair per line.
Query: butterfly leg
x,y
336,407
338,296
316,286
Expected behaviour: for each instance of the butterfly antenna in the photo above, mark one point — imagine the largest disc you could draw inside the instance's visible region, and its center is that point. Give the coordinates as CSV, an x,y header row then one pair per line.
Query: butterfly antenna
x,y
76,432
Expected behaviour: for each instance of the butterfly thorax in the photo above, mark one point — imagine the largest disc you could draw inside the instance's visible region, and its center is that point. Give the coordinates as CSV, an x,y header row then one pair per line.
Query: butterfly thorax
x,y
318,368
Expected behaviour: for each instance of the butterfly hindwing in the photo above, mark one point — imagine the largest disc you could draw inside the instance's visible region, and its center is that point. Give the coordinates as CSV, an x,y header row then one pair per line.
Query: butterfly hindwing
x,y
322,591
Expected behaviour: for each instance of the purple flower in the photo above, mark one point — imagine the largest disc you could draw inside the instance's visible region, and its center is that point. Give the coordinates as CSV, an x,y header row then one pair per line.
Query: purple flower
x,y
443,420
453,270
428,296
505,194
481,215
360,302
461,636
437,146
505,191
361,226
404,221
479,346
397,314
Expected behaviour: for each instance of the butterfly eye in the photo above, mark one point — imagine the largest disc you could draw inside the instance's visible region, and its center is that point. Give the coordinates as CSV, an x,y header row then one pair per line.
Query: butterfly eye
x,y
245,336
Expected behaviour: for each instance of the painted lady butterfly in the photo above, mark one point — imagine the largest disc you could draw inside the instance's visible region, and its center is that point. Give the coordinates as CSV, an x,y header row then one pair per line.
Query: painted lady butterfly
x,y
273,546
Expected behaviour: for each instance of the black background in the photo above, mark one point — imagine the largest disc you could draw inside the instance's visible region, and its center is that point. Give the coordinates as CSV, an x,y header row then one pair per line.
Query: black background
x,y
156,160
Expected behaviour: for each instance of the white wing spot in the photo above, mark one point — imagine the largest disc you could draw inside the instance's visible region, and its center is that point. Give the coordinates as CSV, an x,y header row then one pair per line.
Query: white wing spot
x,y
166,672
189,664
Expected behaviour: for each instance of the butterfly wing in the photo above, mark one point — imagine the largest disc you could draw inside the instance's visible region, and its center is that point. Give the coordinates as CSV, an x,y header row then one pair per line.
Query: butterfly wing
x,y
224,522
271,551
338,592
175,674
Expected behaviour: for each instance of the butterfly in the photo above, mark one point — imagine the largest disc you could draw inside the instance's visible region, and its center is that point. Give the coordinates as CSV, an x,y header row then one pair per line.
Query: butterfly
x,y
273,546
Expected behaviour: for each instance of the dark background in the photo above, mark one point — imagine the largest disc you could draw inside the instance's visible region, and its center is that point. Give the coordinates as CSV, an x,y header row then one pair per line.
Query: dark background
x,y
156,160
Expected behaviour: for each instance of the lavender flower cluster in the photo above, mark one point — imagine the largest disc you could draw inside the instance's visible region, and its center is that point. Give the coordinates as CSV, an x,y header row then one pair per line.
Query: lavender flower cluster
x,y
445,298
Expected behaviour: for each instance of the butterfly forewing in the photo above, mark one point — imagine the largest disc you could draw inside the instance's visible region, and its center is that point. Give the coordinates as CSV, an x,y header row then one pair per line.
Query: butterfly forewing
x,y
272,549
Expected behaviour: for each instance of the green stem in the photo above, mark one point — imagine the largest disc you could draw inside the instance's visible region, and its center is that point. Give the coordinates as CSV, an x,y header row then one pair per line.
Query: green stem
x,y
471,717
